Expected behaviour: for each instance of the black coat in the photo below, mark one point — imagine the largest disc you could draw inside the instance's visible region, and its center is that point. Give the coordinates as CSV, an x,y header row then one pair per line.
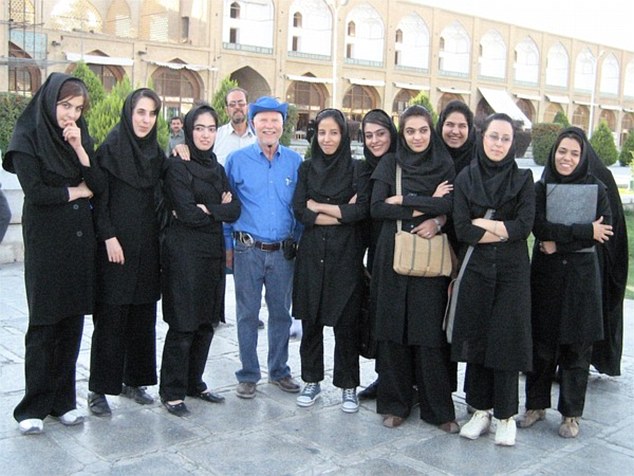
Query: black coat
x,y
193,250
492,322
59,243
409,310
128,213
566,287
329,264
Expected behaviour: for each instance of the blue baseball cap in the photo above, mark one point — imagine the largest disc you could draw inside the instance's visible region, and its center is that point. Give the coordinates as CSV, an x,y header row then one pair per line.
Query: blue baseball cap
x,y
267,103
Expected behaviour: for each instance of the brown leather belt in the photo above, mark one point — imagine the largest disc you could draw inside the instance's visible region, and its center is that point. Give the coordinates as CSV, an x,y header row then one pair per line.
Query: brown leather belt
x,y
268,246
247,240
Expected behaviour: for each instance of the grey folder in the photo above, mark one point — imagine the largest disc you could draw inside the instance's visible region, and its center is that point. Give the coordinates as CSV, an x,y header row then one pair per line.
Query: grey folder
x,y
568,204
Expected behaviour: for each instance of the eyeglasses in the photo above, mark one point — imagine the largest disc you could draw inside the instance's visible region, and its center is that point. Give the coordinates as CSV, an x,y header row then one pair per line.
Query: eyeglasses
x,y
237,104
378,134
496,138
200,129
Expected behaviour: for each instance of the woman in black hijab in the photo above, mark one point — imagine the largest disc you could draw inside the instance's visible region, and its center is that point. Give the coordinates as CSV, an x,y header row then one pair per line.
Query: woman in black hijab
x,y
50,151
492,321
192,258
379,139
566,288
412,348
455,126
124,341
329,265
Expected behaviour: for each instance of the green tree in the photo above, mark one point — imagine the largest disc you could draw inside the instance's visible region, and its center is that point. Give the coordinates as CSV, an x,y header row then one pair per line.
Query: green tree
x,y
96,91
218,100
422,99
11,107
289,125
627,150
602,142
544,136
561,118
106,114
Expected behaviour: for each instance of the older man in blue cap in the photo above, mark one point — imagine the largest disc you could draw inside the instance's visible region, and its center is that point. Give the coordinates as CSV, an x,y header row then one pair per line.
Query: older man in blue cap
x,y
262,247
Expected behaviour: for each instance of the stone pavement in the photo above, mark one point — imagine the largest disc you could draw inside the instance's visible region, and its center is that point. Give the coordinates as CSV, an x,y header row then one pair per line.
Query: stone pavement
x,y
272,435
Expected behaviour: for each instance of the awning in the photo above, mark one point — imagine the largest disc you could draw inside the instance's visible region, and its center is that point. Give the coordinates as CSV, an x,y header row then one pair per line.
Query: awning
x,y
191,67
558,99
96,59
530,97
583,103
453,90
308,79
412,86
500,101
367,82
610,107
625,109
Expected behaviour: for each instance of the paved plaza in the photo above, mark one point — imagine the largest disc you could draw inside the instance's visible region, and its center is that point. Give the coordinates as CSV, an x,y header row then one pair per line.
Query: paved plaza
x,y
271,435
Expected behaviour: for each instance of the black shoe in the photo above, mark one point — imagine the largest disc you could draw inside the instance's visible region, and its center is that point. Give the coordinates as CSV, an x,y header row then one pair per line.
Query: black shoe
x,y
138,394
209,396
260,324
98,405
178,409
369,392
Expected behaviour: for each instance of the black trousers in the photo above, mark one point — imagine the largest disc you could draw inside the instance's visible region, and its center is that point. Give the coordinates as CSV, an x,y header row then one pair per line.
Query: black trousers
x,y
184,358
49,369
489,388
574,364
346,359
123,347
403,366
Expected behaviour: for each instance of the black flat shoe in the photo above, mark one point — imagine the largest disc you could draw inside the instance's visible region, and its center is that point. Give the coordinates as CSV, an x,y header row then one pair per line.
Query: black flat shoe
x,y
369,392
210,396
178,409
98,405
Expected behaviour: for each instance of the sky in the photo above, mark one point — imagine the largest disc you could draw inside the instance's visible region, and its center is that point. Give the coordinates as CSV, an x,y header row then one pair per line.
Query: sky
x,y
606,22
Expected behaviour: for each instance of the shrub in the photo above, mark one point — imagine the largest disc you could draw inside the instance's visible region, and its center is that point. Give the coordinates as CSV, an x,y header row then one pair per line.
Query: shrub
x,y
522,139
106,114
289,125
627,150
218,100
602,142
561,118
544,136
96,91
422,100
11,107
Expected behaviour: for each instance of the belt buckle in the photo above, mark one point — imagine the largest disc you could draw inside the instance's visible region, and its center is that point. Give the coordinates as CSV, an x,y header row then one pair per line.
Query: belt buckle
x,y
246,239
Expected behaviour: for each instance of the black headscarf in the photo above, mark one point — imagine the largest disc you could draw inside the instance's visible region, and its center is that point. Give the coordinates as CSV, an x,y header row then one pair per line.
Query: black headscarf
x,y
579,175
495,183
379,117
330,177
37,133
128,157
203,163
463,154
422,171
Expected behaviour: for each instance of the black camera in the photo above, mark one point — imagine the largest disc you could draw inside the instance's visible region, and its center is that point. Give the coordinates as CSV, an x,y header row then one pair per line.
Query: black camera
x,y
290,248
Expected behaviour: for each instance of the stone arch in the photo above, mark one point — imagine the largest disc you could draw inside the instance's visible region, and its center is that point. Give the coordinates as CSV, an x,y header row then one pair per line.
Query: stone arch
x,y
179,89
358,100
252,81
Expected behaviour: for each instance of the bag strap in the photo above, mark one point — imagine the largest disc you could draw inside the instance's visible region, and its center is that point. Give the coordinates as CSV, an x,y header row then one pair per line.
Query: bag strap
x,y
399,191
489,213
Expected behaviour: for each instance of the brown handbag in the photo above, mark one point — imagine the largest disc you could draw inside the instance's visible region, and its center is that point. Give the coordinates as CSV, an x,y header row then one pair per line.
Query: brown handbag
x,y
416,256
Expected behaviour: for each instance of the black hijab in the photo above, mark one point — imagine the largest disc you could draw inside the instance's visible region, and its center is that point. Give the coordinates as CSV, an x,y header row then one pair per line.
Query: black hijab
x,y
37,133
330,177
203,163
131,159
495,183
379,117
463,154
580,174
422,171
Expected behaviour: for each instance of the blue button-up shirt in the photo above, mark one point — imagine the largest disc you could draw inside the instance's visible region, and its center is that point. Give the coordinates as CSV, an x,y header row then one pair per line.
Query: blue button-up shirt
x,y
265,189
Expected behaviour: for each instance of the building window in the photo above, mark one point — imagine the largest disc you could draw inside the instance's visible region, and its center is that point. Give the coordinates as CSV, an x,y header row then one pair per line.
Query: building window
x,y
20,81
397,57
352,29
295,46
233,35
184,29
234,11
399,36
105,75
297,20
349,51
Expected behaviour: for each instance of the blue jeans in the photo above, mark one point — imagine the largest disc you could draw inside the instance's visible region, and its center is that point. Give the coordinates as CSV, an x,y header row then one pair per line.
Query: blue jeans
x,y
253,269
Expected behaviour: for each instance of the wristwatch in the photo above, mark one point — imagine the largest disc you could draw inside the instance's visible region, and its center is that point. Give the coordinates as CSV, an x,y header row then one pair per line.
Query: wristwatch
x,y
438,225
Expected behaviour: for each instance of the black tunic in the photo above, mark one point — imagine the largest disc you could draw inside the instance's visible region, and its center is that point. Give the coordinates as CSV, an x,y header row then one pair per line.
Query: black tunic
x,y
193,252
409,310
492,323
566,290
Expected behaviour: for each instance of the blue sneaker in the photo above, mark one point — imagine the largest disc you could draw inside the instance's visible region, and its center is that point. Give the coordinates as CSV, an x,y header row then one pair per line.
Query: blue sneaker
x,y
309,394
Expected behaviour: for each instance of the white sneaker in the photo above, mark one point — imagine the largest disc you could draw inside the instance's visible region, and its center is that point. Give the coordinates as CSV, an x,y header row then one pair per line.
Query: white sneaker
x,y
349,400
505,433
478,425
31,426
72,417
309,394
